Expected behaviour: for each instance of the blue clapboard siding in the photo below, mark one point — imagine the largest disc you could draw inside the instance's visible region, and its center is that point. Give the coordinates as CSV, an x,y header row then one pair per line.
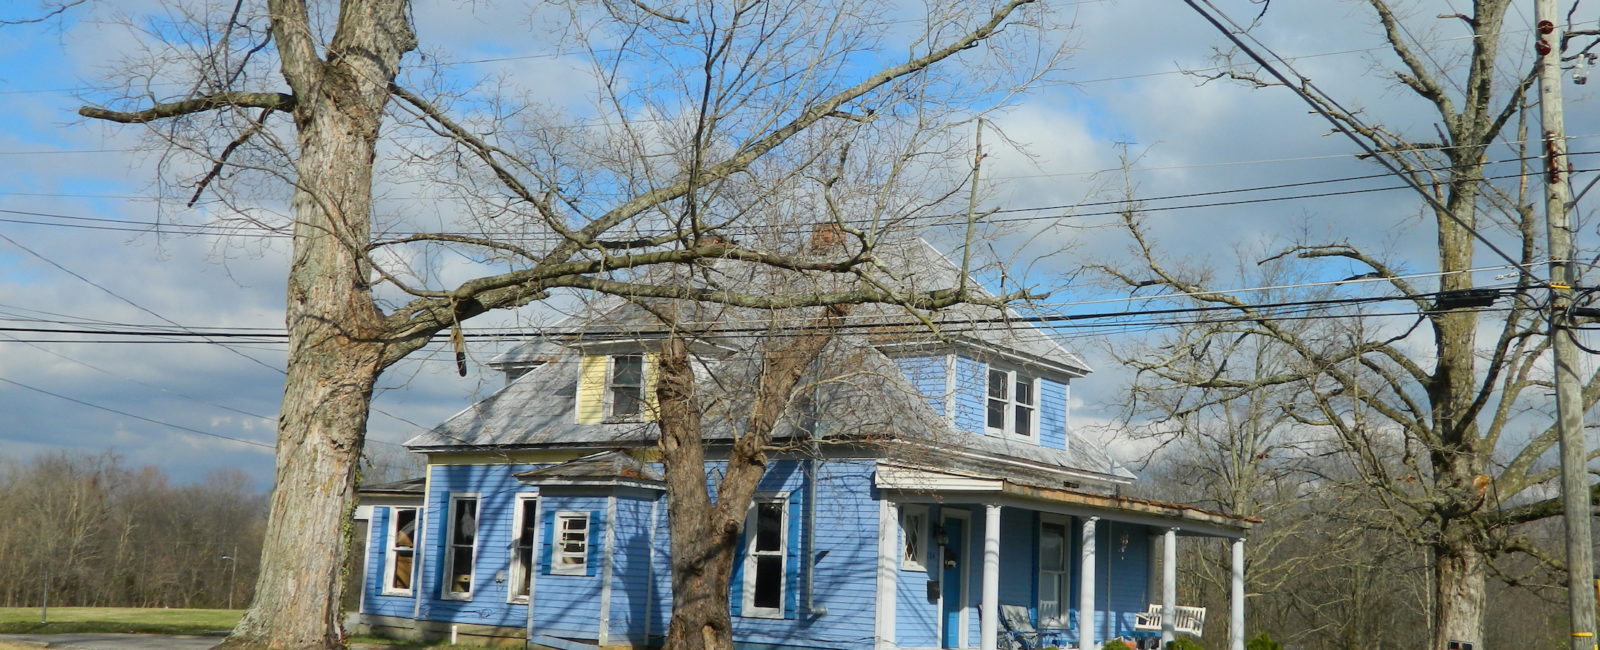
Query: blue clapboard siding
x,y
497,496
846,543
927,375
971,388
1121,577
1053,414
1125,578
916,617
567,605
631,573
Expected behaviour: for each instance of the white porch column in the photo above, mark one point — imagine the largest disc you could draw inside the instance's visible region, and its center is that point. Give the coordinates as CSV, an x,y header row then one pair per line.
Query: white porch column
x,y
1086,610
1169,586
989,619
1236,612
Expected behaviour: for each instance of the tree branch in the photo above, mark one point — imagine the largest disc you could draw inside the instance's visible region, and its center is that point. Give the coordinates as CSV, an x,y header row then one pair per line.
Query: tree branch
x,y
269,101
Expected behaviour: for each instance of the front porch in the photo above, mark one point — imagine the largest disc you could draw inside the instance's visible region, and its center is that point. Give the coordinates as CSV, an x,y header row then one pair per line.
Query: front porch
x,y
971,544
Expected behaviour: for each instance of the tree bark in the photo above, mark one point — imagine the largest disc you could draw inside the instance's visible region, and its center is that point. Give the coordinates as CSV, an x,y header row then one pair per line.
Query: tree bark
x,y
705,532
1458,572
702,551
335,327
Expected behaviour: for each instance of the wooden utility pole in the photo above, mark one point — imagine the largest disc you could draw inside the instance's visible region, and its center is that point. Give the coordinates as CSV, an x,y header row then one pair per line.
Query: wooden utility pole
x,y
1563,275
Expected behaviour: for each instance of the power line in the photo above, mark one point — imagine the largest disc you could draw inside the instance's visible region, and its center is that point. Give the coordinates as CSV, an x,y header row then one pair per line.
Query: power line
x,y
141,383
919,221
1342,128
170,425
122,298
963,324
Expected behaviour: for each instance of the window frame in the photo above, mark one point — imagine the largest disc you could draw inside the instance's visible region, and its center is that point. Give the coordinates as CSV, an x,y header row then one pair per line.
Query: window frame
x,y
919,560
557,553
1010,403
390,551
610,394
449,564
526,505
1063,614
748,607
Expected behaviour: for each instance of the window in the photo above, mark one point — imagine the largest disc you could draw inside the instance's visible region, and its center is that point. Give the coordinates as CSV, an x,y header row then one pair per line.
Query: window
x,y
625,387
766,542
463,542
615,388
1012,404
399,559
522,536
1053,566
914,532
570,556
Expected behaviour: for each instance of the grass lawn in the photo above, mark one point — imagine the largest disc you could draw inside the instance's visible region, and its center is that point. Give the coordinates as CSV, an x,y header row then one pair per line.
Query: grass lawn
x,y
25,620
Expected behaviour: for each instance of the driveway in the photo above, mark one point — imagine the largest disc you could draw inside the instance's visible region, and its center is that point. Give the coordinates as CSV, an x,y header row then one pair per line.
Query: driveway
x,y
107,641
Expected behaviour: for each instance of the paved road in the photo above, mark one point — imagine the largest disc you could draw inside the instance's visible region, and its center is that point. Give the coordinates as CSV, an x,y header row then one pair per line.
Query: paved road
x,y
110,641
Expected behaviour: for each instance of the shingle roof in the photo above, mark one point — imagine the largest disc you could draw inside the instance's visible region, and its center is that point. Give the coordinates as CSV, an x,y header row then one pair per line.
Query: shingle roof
x,y
872,403
606,465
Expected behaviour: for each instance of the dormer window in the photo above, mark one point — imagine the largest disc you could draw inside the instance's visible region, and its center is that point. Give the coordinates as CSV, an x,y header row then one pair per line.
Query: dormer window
x,y
625,387
1013,403
616,388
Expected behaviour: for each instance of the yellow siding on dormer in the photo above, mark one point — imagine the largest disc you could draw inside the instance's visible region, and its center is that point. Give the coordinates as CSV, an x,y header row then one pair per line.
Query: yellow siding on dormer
x,y
652,364
592,388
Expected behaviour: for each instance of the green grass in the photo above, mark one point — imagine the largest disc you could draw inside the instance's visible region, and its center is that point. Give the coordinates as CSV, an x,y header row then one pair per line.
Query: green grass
x,y
64,620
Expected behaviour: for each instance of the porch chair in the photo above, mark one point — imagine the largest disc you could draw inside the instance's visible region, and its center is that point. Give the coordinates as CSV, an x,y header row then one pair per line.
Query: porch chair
x,y
1020,633
1189,620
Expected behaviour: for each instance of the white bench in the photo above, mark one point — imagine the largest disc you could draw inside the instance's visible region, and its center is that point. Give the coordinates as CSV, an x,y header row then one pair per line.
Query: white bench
x,y
1189,620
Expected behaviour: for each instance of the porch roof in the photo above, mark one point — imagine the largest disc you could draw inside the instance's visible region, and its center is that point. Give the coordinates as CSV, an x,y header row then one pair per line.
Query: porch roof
x,y
913,481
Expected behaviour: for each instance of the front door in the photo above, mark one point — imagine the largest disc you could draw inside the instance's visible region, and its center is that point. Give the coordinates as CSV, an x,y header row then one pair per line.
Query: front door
x,y
952,588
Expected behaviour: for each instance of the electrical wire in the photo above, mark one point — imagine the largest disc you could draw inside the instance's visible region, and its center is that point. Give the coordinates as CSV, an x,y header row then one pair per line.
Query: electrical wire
x,y
170,425
1342,128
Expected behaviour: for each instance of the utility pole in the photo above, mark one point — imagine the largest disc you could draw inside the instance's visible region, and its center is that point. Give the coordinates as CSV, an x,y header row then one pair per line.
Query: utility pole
x,y
233,569
1563,275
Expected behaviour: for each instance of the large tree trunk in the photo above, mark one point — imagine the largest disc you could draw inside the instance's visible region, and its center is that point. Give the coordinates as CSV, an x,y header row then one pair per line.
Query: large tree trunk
x,y
702,550
705,532
335,328
1458,572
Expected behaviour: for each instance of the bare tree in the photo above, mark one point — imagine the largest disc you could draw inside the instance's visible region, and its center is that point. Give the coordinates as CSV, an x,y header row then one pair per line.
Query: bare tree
x,y
1434,412
744,106
98,534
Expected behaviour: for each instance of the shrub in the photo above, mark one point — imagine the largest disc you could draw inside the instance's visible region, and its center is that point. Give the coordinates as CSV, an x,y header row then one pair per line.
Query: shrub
x,y
1115,644
1263,642
1185,643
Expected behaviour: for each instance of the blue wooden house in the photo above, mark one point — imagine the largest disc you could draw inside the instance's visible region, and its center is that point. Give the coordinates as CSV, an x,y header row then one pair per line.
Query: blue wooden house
x,y
927,492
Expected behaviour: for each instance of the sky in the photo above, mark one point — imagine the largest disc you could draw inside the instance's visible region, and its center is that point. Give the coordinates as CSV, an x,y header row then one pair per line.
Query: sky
x,y
196,407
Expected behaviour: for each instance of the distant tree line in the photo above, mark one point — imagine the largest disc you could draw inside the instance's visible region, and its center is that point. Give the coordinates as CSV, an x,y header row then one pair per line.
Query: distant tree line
x,y
94,532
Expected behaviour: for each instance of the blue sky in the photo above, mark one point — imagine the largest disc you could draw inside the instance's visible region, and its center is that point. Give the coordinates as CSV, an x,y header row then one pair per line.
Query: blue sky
x,y
1125,88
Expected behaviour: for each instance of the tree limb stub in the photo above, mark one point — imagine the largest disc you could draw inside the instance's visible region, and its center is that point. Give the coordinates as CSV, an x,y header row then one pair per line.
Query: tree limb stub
x,y
271,101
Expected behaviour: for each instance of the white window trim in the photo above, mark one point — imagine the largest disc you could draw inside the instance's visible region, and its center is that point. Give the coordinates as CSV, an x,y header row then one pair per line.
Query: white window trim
x,y
907,512
449,541
1065,595
516,572
389,551
748,608
1010,428
644,384
556,566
